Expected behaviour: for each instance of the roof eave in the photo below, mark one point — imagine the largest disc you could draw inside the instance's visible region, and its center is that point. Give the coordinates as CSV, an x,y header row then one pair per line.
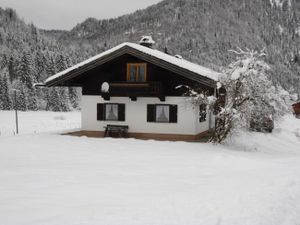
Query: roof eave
x,y
130,50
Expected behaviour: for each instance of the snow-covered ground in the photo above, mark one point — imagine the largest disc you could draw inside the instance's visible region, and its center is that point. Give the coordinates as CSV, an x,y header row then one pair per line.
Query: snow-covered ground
x,y
49,179
38,122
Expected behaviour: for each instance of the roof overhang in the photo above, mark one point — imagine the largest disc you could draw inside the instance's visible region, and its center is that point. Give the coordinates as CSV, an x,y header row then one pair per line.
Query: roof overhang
x,y
296,103
179,66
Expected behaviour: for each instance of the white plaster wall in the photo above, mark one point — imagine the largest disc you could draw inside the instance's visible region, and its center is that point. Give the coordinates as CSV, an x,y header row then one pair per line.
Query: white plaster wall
x,y
136,116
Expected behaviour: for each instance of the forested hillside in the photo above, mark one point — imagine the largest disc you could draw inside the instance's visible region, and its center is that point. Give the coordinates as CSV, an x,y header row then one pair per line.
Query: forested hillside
x,y
205,30
202,31
28,57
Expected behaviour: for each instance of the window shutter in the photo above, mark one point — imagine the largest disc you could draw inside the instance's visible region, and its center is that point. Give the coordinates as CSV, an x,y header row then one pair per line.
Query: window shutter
x,y
121,112
100,112
173,113
150,113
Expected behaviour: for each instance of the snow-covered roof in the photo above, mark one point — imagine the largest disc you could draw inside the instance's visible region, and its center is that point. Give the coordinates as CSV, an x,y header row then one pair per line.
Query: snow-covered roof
x,y
192,67
296,102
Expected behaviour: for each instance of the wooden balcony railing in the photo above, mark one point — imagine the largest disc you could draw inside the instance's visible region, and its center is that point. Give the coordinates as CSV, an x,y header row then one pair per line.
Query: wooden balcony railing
x,y
134,89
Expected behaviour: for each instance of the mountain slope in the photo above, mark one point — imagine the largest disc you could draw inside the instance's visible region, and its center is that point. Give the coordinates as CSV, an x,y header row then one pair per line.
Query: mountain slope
x,y
28,56
204,30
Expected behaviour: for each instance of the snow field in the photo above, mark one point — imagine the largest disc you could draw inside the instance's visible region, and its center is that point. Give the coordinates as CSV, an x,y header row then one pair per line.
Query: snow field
x,y
48,179
38,122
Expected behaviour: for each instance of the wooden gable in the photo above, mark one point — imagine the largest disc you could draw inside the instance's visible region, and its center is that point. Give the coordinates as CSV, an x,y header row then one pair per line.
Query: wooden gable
x,y
116,71
178,66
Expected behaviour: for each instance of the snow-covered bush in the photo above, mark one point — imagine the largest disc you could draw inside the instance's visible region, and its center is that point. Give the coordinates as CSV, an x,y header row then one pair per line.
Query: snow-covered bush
x,y
250,95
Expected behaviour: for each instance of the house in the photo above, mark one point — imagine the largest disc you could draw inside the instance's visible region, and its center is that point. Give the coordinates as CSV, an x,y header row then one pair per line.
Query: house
x,y
133,89
296,107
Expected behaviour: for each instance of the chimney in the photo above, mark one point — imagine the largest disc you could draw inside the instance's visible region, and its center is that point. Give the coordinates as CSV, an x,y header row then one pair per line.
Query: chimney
x,y
147,41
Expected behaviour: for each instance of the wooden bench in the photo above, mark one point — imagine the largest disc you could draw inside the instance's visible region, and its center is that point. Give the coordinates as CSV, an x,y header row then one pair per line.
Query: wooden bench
x,y
116,131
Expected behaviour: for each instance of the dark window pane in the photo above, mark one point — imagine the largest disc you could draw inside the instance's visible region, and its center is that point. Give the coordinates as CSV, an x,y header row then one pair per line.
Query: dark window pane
x,y
142,74
136,72
132,73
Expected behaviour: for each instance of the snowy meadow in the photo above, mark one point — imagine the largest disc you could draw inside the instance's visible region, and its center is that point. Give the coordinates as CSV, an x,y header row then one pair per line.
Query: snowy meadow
x,y
50,179
38,122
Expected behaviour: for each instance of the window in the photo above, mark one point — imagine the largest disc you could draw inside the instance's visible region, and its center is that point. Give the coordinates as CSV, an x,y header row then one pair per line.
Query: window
x,y
136,72
202,113
111,112
162,113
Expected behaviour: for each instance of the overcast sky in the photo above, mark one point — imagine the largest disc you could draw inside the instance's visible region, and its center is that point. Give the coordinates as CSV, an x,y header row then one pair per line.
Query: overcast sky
x,y
65,14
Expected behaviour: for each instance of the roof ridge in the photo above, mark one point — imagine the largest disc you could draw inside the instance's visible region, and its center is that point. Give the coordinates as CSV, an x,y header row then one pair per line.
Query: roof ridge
x,y
183,63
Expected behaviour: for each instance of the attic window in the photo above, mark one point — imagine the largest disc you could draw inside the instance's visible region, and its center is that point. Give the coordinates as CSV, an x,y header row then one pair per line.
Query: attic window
x,y
136,72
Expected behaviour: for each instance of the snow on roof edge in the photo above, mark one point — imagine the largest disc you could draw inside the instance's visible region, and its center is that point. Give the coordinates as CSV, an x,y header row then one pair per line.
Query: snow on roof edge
x,y
202,71
78,65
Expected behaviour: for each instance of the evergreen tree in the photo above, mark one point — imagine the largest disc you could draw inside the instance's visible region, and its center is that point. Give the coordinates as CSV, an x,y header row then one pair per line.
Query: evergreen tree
x,y
26,70
61,62
21,103
5,99
53,100
64,99
12,65
32,99
19,95
34,33
27,76
51,68
74,97
71,94
40,64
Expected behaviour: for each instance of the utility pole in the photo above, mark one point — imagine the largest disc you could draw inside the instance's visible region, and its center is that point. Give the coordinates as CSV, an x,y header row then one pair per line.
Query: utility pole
x,y
16,113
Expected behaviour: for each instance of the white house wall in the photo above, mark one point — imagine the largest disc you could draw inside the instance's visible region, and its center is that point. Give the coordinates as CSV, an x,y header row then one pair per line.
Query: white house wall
x,y
136,116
